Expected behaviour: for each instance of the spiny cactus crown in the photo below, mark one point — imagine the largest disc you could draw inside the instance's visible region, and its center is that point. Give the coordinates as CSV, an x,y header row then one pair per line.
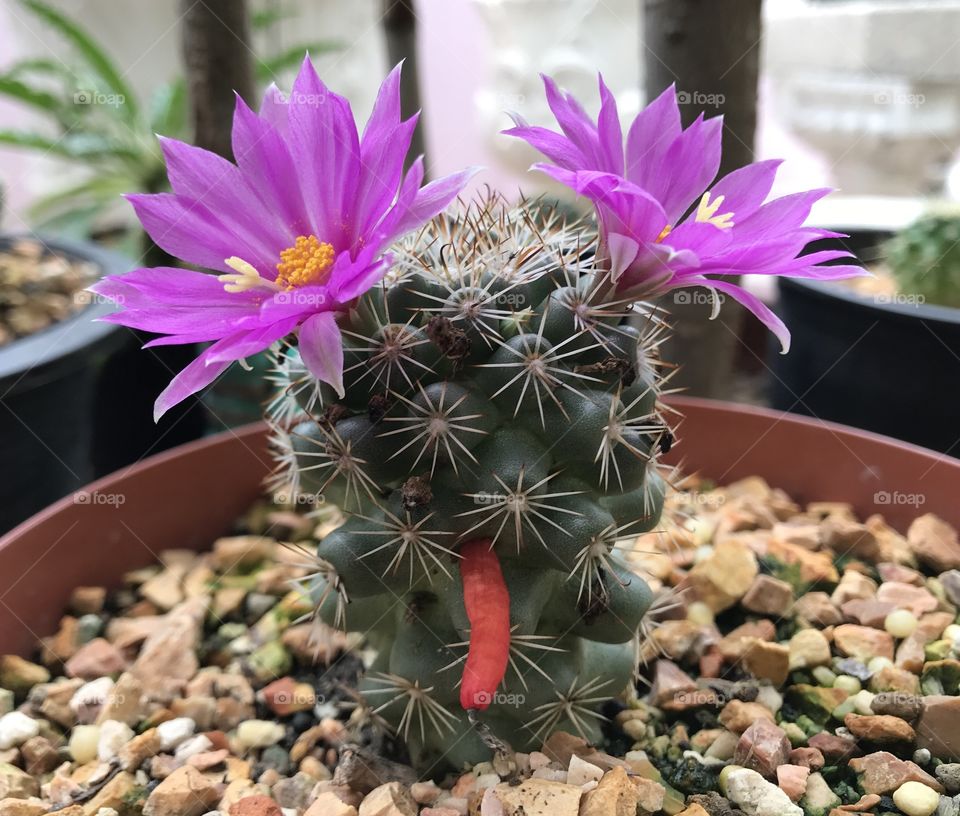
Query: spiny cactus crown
x,y
493,393
925,259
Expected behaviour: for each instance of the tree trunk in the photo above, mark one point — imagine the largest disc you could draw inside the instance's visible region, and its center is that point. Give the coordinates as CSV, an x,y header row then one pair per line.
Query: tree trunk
x,y
400,27
219,61
711,50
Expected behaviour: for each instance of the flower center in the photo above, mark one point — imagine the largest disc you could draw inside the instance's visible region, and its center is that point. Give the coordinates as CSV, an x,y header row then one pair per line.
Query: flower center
x,y
306,262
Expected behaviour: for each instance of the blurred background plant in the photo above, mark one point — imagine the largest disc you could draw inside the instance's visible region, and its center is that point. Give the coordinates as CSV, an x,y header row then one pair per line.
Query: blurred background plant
x,y
97,121
924,258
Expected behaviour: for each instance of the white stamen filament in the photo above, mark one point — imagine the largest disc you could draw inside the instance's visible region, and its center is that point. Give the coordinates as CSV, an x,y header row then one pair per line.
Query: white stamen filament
x,y
706,212
246,278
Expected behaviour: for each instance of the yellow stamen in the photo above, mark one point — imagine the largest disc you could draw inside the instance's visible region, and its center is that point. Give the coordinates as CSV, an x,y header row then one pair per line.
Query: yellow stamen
x,y
246,278
706,212
305,262
664,233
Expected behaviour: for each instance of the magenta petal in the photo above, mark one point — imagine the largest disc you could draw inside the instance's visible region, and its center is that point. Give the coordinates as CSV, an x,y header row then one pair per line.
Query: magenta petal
x,y
189,230
699,236
321,348
364,272
382,154
325,148
622,251
608,128
190,380
263,157
274,108
253,342
757,306
650,136
575,124
746,188
178,301
780,215
206,177
426,202
555,147
690,165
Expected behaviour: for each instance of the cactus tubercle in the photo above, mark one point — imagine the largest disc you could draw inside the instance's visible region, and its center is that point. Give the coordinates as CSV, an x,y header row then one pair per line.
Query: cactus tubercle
x,y
487,603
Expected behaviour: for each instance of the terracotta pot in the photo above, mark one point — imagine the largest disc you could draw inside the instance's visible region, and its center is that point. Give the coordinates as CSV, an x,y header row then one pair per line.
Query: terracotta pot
x,y
186,497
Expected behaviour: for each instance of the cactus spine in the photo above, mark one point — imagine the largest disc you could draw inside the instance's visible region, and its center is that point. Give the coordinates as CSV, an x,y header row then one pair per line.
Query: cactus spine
x,y
492,394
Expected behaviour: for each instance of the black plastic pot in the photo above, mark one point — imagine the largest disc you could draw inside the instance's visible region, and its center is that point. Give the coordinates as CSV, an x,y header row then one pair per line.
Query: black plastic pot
x,y
75,400
888,367
47,393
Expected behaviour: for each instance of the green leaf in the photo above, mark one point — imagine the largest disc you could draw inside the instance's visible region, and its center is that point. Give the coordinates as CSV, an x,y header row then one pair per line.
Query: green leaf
x,y
82,146
40,66
95,56
102,190
265,19
22,92
267,68
76,223
168,114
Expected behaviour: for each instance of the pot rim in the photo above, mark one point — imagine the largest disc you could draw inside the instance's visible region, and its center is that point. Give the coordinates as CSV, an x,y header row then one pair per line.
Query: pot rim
x,y
247,434
36,358
945,315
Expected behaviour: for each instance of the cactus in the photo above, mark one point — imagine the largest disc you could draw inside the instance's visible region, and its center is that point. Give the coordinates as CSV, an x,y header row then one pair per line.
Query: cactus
x,y
493,396
924,259
481,400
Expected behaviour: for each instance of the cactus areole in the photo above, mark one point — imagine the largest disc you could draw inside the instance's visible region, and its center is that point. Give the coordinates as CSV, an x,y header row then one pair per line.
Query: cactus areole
x,y
473,390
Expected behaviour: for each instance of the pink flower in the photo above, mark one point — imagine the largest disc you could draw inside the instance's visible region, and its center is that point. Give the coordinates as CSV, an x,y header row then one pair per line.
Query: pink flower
x,y
664,223
297,229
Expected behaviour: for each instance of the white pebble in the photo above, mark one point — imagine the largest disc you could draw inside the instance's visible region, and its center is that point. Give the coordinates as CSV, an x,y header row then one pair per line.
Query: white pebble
x,y
538,760
878,664
770,699
952,632
699,613
91,695
553,774
487,780
916,799
259,733
193,746
862,702
113,736
756,795
848,683
579,771
83,744
900,623
173,732
16,728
